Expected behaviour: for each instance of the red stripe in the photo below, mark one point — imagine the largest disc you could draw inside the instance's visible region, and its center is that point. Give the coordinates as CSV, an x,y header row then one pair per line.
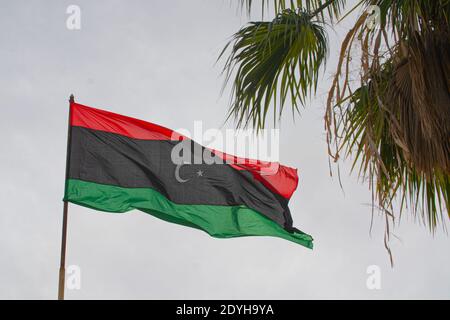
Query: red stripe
x,y
276,177
87,117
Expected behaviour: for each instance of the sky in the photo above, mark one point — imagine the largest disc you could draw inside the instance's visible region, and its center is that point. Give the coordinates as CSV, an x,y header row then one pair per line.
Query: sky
x,y
155,60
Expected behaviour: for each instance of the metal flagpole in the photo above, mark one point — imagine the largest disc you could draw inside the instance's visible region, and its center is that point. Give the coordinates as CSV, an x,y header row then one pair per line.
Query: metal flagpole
x,y
62,266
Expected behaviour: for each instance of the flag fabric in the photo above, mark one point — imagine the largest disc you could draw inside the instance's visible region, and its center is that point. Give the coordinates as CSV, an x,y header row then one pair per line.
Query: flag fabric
x,y
118,163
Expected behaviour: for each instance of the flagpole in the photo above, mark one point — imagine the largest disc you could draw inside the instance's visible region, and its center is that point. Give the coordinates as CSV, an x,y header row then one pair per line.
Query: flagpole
x,y
62,265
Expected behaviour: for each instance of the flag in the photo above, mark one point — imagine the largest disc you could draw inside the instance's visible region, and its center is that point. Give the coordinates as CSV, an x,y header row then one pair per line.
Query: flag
x,y
118,163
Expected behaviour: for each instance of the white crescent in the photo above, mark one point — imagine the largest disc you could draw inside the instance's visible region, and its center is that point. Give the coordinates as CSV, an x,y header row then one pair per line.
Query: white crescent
x,y
177,174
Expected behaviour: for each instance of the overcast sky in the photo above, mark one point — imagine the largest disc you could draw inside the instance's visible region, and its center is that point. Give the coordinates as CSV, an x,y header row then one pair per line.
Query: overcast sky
x,y
154,60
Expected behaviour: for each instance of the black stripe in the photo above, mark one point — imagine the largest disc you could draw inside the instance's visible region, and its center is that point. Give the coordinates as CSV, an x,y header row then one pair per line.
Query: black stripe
x,y
113,159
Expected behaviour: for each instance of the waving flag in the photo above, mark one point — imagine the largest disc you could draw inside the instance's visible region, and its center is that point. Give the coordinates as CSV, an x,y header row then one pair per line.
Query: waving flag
x,y
117,164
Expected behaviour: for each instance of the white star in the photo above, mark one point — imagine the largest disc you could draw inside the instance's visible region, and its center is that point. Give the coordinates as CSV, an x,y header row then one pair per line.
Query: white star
x,y
200,173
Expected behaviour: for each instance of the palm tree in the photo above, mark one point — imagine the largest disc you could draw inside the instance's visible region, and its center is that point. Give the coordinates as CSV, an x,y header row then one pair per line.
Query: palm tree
x,y
392,118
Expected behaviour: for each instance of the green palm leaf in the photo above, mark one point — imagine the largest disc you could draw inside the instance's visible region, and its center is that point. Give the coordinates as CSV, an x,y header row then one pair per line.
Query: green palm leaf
x,y
274,62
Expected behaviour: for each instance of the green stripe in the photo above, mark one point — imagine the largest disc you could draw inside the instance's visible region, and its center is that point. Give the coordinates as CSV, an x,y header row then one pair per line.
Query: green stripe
x,y
218,221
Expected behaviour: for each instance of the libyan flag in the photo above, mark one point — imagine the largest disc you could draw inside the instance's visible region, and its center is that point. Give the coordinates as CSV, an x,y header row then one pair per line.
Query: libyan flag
x,y
117,164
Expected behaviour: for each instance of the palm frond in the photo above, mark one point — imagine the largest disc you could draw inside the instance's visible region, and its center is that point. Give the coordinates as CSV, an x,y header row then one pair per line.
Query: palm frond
x,y
396,125
369,134
273,62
